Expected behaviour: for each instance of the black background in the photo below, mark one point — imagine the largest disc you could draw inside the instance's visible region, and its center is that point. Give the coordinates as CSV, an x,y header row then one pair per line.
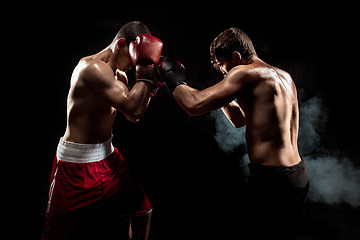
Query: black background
x,y
194,187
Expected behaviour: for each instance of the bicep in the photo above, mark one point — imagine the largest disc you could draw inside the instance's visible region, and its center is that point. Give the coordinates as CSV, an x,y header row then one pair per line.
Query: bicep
x,y
114,93
103,81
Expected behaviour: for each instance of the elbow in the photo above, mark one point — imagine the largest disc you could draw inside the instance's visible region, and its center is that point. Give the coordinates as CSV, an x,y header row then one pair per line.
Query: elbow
x,y
132,118
135,113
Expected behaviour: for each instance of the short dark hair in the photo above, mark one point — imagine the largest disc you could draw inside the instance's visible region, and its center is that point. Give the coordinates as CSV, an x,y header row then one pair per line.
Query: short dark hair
x,y
130,30
230,40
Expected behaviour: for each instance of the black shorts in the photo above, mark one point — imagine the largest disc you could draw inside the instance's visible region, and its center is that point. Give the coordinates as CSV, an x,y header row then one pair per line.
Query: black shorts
x,y
276,196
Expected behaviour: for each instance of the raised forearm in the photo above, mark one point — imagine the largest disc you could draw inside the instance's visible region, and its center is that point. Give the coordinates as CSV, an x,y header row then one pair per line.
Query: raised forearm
x,y
137,100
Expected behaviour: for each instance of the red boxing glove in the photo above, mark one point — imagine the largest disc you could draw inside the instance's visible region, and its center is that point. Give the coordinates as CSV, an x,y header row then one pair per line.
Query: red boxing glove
x,y
145,50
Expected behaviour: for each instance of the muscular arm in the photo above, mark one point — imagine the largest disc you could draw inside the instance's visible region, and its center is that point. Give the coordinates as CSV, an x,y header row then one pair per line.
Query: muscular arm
x,y
197,103
130,102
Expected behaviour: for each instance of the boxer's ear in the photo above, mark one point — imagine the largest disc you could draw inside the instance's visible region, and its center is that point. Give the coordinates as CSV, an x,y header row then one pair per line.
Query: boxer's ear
x,y
121,43
236,58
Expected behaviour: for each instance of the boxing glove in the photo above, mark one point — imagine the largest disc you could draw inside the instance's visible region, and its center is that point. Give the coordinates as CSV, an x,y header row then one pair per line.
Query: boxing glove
x,y
172,73
145,51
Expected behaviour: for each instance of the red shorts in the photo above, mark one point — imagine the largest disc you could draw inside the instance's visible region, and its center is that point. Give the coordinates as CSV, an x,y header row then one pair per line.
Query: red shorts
x,y
90,180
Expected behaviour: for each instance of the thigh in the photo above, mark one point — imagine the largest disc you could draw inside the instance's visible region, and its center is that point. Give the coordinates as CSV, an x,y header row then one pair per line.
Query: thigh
x,y
71,203
123,194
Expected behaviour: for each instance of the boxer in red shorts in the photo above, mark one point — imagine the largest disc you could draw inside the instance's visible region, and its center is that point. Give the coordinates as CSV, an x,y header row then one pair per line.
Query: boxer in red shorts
x,y
91,181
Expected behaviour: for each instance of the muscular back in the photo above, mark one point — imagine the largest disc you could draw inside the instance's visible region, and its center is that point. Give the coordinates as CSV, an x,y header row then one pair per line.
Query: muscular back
x,y
89,116
269,101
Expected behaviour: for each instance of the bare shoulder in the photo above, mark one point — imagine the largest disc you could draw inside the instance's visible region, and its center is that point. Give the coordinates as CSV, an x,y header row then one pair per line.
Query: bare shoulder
x,y
261,77
94,71
239,75
276,80
261,71
283,74
248,74
240,72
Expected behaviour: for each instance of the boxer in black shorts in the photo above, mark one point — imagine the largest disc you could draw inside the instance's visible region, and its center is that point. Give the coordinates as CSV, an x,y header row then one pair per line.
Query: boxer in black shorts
x,y
275,197
264,98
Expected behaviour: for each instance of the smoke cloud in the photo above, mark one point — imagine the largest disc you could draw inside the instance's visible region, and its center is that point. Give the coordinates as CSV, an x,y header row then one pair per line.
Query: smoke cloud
x,y
333,179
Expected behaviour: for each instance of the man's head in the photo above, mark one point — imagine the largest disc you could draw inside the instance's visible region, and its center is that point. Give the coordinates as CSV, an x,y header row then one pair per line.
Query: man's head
x,y
123,38
229,48
130,30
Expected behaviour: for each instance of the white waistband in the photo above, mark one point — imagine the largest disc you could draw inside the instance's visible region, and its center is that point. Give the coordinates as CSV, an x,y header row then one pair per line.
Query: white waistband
x,y
83,153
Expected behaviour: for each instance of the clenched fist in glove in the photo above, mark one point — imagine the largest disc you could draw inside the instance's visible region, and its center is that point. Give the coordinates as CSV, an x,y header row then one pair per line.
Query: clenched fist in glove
x,y
172,73
145,52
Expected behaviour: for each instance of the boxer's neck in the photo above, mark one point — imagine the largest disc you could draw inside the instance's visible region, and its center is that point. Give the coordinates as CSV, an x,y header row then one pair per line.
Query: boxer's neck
x,y
249,60
108,55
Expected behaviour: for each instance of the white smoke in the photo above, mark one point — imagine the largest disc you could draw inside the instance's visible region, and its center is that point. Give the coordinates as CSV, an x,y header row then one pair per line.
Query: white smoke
x,y
333,179
228,137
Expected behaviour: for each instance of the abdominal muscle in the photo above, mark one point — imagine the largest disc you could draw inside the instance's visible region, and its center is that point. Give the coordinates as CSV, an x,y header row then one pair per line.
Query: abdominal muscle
x,y
92,126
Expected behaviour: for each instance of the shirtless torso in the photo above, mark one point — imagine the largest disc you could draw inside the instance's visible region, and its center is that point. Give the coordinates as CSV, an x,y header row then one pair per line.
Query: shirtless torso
x,y
98,88
269,102
266,104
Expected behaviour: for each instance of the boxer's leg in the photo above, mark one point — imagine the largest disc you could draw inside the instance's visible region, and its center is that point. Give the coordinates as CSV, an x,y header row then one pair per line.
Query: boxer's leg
x,y
140,227
124,196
